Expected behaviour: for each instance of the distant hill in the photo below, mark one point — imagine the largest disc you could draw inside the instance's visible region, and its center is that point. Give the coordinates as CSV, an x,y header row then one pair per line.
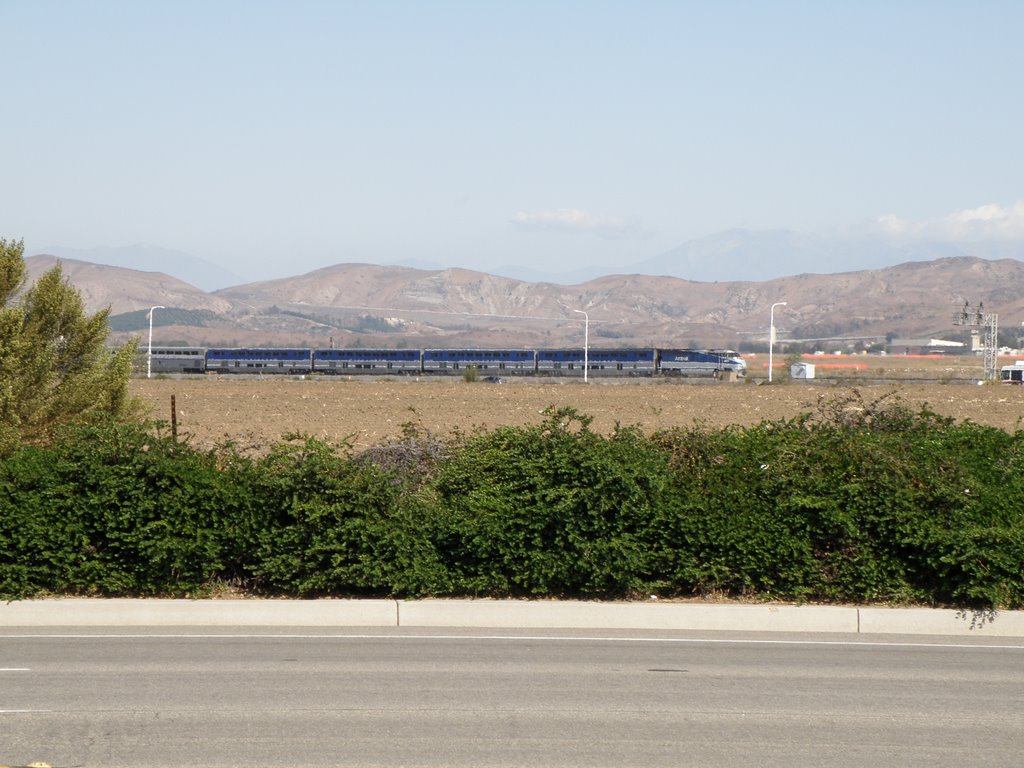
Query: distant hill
x,y
126,290
368,305
151,258
771,254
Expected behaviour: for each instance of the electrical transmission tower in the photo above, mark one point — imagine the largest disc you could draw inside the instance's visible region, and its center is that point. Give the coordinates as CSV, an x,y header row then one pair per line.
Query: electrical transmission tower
x,y
988,323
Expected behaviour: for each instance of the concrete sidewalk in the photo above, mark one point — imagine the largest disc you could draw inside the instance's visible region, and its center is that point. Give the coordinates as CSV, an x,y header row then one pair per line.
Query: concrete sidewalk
x,y
508,614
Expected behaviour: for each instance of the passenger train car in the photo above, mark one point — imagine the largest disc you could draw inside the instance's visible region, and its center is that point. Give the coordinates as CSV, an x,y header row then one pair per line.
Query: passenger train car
x,y
259,360
503,362
621,362
178,359
350,361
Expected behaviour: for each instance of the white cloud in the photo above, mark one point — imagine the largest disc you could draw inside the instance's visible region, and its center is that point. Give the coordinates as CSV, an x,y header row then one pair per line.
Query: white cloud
x,y
572,220
986,222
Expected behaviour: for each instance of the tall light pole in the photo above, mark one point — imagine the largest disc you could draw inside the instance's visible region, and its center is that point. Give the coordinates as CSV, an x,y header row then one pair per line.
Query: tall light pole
x,y
771,337
586,343
149,353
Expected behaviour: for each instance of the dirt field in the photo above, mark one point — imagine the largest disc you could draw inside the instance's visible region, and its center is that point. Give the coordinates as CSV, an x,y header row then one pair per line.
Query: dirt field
x,y
255,412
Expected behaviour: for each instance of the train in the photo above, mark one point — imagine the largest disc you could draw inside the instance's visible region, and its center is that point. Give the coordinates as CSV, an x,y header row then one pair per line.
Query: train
x,y
485,362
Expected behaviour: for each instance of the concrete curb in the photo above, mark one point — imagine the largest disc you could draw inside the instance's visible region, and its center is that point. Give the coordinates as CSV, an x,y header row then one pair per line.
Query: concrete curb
x,y
588,615
926,621
507,614
199,613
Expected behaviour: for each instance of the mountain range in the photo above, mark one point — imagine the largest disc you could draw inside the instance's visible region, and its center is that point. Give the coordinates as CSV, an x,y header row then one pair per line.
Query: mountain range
x,y
729,256
388,306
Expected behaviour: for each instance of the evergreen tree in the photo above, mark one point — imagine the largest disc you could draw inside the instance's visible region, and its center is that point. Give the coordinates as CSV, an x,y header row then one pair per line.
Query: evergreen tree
x,y
55,367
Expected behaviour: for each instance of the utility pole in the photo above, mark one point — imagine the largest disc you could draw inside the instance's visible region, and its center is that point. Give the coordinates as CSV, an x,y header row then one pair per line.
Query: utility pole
x,y
149,352
771,336
586,343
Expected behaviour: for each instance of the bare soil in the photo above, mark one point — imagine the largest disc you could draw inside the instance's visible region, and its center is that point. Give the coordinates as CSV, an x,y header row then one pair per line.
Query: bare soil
x,y
255,412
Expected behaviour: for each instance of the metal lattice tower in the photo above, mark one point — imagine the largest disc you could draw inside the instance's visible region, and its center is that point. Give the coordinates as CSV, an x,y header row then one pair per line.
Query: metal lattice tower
x,y
989,324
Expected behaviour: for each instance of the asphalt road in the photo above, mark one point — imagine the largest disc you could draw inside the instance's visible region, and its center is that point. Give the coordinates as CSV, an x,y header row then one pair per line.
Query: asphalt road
x,y
468,698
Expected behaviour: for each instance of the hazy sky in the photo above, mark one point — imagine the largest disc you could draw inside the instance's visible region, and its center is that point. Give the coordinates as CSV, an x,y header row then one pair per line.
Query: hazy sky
x,y
277,137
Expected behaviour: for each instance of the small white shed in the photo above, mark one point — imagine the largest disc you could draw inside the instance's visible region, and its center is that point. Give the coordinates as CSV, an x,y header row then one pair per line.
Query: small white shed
x,y
801,371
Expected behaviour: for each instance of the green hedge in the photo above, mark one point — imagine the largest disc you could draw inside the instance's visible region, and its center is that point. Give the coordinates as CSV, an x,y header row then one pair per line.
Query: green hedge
x,y
859,502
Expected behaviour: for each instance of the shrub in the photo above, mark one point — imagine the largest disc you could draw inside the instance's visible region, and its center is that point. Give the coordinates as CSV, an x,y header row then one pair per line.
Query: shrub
x,y
338,526
551,509
111,509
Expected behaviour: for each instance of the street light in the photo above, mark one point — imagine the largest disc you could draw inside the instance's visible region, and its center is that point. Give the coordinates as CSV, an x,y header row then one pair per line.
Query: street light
x,y
149,354
771,337
586,343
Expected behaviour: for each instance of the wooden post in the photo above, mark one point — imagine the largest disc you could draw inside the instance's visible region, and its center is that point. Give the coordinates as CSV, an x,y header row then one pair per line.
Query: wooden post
x,y
174,421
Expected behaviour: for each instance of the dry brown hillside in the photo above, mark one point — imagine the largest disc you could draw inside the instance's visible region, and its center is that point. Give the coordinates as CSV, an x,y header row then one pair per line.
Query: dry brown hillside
x,y
127,290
